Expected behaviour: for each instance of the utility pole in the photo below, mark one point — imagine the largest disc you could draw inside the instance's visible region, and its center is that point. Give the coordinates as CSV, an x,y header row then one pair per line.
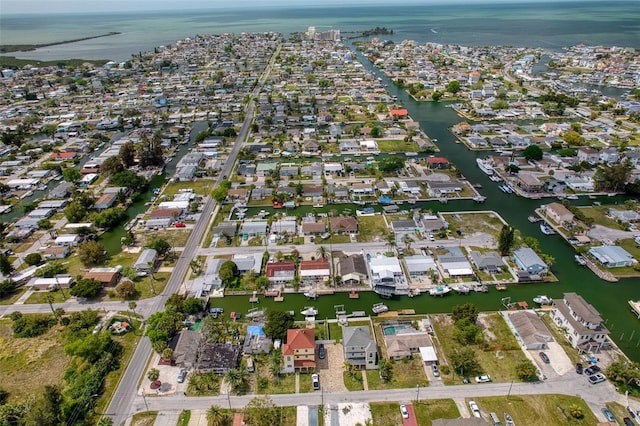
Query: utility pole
x,y
417,392
144,398
509,393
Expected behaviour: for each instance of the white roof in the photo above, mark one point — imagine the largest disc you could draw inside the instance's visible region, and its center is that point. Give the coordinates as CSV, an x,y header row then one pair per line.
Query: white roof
x,y
382,263
428,354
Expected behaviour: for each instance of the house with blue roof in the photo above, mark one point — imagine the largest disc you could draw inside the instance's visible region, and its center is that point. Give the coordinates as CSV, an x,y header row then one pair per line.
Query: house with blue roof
x,y
528,260
612,256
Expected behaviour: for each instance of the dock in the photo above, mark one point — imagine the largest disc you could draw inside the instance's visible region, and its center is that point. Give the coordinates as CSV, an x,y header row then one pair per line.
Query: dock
x,y
395,314
635,307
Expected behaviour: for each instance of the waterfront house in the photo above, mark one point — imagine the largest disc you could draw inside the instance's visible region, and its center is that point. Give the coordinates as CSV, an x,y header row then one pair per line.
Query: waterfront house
x,y
558,213
585,329
454,263
490,262
353,269
105,201
529,329
280,272
529,182
387,276
419,265
218,357
528,260
254,228
360,350
406,342
298,352
314,270
344,224
403,225
311,228
68,240
612,256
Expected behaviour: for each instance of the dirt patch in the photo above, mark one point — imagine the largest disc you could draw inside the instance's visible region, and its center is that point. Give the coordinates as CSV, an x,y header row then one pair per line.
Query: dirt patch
x,y
348,414
331,368
483,321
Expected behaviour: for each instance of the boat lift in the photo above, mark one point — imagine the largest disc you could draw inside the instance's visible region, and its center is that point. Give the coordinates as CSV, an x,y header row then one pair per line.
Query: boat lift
x,y
506,302
339,310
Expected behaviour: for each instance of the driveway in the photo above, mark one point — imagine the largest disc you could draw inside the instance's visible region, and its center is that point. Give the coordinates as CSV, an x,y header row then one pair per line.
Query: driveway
x,y
331,367
600,233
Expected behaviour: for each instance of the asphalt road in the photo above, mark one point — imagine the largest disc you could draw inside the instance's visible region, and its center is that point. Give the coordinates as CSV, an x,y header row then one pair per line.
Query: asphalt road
x,y
122,403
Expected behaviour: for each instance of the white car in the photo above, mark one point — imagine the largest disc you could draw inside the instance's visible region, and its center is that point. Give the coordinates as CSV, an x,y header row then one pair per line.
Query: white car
x,y
315,381
483,379
474,409
403,411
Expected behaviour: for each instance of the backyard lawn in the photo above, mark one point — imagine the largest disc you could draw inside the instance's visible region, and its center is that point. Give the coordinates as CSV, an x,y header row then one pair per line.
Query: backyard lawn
x,y
432,409
407,373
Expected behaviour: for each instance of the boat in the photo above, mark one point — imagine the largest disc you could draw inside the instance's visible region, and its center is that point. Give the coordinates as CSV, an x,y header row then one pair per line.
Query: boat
x,y
479,199
546,229
439,290
477,185
572,197
354,295
533,219
379,308
309,311
508,420
543,300
505,189
480,288
411,154
501,287
581,260
256,313
495,178
461,288
485,166
310,294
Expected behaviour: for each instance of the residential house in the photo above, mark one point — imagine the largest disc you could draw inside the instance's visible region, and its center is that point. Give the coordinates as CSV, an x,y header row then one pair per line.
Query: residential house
x,y
612,256
344,225
588,154
299,351
580,183
315,270
360,350
585,329
404,225
218,357
529,329
254,228
146,261
353,269
420,266
441,189
432,223
624,215
528,260
437,163
62,190
313,228
529,182
558,213
455,264
108,277
387,276
266,169
490,262
60,281
280,272
105,201
285,226
56,252
68,240
406,342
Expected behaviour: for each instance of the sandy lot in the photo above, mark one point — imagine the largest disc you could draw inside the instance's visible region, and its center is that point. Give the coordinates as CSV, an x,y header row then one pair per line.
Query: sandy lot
x,y
331,367
347,414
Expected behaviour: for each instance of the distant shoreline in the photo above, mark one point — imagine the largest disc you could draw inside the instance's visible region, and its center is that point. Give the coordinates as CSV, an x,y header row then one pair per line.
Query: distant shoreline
x,y
8,48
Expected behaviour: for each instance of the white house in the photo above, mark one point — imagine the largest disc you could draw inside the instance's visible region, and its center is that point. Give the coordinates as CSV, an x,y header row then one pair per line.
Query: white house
x,y
583,322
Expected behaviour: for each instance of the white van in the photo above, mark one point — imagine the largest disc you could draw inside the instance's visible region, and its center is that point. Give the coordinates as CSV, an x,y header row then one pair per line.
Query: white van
x,y
250,367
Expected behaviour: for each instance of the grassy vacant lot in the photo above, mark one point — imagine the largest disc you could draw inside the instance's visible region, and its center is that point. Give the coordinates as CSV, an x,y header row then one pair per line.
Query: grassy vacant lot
x,y
286,384
41,296
306,386
371,228
429,410
201,187
386,414
353,381
406,374
472,222
27,364
396,145
599,215
537,409
502,351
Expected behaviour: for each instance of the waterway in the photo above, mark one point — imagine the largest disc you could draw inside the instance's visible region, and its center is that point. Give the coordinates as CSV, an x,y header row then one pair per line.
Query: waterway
x,y
609,298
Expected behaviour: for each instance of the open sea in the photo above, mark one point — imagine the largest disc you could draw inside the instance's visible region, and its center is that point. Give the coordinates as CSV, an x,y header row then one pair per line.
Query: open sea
x,y
550,25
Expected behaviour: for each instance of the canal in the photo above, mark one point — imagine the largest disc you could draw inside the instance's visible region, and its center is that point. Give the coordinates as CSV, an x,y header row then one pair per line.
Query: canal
x,y
609,298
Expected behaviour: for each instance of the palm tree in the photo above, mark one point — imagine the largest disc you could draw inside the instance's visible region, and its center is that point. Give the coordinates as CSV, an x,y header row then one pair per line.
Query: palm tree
x,y
132,307
234,379
322,252
49,299
215,416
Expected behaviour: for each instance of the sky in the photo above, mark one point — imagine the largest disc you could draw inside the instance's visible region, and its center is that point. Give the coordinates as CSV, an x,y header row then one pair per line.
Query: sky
x,y
84,6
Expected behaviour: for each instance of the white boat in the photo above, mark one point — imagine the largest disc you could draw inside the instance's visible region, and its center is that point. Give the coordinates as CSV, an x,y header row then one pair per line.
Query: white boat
x,y
309,311
439,290
310,294
581,260
546,229
480,288
484,166
479,199
461,288
495,178
379,308
543,300
411,154
572,197
256,313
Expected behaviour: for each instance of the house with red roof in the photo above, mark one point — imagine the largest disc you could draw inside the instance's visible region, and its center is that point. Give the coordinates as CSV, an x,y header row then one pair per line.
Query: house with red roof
x,y
280,272
315,270
398,113
437,163
299,353
69,155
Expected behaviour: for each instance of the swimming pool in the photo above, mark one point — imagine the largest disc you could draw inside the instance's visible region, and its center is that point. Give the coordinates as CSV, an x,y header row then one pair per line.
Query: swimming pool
x,y
390,330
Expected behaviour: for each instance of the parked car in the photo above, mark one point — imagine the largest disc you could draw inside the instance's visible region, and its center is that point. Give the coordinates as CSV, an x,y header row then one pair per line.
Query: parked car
x,y
592,370
321,351
485,378
180,225
474,409
608,414
315,380
436,373
182,375
403,411
631,412
628,422
544,357
579,368
597,378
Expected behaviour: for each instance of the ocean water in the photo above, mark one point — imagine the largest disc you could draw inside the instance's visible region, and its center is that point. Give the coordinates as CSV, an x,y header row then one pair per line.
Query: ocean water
x,y
550,25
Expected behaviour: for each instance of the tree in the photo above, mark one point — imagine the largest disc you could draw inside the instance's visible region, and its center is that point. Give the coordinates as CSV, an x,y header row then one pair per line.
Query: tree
x,y
526,371
386,369
391,164
92,253
376,132
614,176
436,95
216,417
466,332
532,152
75,212
127,154
111,166
235,378
573,138
86,287
625,374
463,360
92,347
167,354
453,86
129,179
7,287
6,268
105,421
33,259
153,374
71,175
467,311
109,218
506,239
192,306
228,271
261,411
278,322
126,289
575,411
160,245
